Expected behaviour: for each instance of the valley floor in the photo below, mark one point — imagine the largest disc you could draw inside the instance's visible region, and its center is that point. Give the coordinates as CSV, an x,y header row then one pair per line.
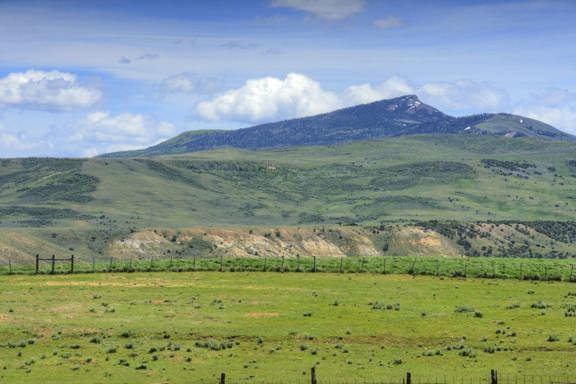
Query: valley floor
x,y
263,327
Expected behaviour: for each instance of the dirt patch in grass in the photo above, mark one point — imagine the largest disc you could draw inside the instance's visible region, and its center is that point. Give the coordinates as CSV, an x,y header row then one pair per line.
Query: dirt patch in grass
x,y
115,284
257,315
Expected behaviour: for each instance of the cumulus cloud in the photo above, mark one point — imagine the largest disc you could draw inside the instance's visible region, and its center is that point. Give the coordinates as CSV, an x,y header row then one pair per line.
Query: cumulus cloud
x,y
556,107
388,23
325,9
297,95
46,90
366,93
270,98
15,142
104,132
190,83
463,95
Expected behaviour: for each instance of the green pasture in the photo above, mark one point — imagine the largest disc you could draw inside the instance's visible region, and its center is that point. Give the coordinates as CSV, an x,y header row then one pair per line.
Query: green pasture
x,y
270,327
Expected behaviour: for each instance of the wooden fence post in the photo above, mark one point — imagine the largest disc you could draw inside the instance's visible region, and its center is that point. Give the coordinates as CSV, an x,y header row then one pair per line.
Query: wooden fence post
x,y
9,266
223,378
313,376
384,266
194,263
72,264
493,377
110,266
341,261
53,264
37,263
408,378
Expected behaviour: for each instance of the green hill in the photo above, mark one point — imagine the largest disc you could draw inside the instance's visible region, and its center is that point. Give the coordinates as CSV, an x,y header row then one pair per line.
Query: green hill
x,y
86,204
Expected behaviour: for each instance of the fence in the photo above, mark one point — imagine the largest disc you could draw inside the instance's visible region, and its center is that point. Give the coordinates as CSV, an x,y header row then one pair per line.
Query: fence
x,y
482,267
492,378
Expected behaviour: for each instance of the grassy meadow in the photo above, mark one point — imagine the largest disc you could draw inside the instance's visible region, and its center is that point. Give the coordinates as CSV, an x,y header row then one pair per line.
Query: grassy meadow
x,y
264,327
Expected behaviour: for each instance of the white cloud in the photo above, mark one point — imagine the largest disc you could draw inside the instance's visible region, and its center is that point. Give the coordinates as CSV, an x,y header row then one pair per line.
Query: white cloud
x,y
366,93
556,107
14,142
103,131
464,95
388,23
46,90
270,98
189,83
326,9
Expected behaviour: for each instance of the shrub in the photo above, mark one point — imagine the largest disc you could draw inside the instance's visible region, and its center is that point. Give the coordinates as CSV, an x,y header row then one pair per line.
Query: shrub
x,y
553,338
540,305
464,309
467,352
214,345
376,305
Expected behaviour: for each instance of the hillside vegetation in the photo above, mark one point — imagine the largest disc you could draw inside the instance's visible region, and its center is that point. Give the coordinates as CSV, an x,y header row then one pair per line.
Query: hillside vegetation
x,y
88,206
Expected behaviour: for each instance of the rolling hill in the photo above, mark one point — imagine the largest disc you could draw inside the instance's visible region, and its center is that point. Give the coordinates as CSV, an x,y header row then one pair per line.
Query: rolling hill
x,y
101,205
397,117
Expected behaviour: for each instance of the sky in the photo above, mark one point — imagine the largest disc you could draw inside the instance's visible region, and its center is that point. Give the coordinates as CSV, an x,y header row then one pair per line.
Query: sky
x,y
79,78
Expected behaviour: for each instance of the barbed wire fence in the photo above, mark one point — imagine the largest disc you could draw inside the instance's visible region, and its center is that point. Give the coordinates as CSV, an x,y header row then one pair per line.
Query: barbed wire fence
x,y
480,267
494,377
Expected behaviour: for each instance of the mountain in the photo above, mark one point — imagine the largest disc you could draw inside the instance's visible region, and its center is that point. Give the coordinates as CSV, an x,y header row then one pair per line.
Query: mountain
x,y
396,117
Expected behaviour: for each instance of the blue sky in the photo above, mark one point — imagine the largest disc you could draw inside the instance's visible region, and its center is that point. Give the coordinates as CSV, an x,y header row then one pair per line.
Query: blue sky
x,y
83,78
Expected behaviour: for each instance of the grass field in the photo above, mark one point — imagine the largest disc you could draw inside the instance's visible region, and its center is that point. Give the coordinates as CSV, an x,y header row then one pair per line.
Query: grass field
x,y
262,327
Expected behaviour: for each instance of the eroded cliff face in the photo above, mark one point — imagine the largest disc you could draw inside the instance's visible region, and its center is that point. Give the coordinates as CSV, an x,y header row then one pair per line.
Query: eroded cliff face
x,y
288,242
429,239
